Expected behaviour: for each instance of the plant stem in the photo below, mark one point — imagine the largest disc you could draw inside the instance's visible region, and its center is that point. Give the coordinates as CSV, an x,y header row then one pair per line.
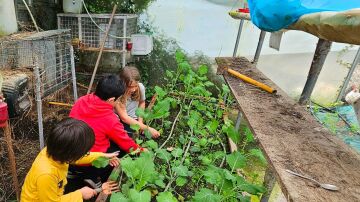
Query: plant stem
x,y
172,128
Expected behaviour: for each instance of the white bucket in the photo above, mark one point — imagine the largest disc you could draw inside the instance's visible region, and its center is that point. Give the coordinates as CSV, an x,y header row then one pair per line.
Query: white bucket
x,y
8,22
72,6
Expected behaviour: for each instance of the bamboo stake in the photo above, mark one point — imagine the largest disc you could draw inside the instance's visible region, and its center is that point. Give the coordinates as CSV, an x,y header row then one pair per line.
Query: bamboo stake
x,y
101,49
7,134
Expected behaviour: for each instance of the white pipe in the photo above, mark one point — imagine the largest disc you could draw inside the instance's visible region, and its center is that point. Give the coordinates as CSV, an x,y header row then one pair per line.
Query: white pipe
x,y
73,73
39,104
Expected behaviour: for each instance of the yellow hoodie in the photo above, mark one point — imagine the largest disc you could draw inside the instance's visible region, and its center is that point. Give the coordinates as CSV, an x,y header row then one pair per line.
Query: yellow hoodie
x,y
47,178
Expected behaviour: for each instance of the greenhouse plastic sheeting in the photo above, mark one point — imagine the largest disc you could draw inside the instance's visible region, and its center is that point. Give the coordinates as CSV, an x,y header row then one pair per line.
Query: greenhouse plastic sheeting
x,y
332,120
270,15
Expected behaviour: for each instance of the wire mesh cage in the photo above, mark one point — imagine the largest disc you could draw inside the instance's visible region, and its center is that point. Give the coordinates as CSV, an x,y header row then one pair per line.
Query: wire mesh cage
x,y
49,51
89,31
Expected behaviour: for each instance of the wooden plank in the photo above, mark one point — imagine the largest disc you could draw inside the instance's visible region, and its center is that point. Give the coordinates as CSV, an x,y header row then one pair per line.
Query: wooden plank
x,y
292,139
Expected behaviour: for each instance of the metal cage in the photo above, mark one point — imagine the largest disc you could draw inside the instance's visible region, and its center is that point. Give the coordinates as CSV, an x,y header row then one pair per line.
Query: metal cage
x,y
87,31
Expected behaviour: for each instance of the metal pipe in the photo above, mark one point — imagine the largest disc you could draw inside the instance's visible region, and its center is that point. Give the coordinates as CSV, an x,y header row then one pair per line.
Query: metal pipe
x,y
349,75
238,37
322,50
259,47
39,104
238,121
73,73
124,43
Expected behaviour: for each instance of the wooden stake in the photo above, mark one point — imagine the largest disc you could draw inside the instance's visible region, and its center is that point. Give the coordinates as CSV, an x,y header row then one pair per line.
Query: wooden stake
x,y
7,134
101,49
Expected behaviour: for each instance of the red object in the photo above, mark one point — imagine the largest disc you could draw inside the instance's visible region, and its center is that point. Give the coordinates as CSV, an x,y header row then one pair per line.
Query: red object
x,y
244,10
100,116
129,45
4,115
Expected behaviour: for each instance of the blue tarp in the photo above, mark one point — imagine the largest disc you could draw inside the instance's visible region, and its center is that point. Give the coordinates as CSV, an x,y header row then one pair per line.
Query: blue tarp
x,y
273,15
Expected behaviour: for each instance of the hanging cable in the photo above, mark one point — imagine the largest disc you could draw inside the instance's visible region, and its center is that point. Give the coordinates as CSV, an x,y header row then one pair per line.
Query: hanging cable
x,y
101,29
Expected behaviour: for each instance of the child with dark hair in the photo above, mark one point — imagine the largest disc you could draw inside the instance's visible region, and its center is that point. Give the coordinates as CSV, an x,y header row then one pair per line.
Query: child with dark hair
x,y
68,143
133,99
97,110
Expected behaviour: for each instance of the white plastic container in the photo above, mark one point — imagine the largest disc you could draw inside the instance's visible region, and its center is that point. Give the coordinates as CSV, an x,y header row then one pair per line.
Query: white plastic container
x,y
142,44
72,6
8,22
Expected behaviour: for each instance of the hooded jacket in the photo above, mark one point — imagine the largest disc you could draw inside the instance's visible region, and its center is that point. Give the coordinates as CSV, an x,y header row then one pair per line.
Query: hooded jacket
x,y
100,116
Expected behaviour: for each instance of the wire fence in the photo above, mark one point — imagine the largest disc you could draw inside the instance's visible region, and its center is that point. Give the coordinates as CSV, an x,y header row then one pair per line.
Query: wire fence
x,y
89,30
49,50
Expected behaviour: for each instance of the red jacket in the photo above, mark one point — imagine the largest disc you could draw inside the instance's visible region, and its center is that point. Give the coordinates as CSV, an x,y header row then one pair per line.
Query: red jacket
x,y
100,116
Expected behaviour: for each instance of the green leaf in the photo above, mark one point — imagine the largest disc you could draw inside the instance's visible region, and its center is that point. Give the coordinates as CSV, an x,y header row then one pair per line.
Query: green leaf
x,y
169,74
160,183
147,134
203,141
225,89
236,160
208,83
203,69
163,154
232,133
135,127
179,56
142,169
181,171
206,195
152,144
251,188
194,119
166,197
143,196
118,196
181,181
259,155
177,152
100,162
160,92
212,126
213,176
160,110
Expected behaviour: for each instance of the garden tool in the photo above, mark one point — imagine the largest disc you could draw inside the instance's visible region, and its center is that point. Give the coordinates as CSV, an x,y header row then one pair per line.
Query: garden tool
x,y
246,79
324,186
251,81
96,186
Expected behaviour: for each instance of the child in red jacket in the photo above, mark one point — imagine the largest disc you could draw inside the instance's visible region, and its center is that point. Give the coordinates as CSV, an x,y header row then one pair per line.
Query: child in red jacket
x,y
97,110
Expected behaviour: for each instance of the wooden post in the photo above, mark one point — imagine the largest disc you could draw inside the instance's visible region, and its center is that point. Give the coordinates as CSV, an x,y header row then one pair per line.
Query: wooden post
x,y
101,49
7,134
322,50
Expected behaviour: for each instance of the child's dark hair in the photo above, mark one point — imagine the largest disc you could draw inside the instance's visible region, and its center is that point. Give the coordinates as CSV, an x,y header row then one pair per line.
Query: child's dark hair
x,y
110,86
69,140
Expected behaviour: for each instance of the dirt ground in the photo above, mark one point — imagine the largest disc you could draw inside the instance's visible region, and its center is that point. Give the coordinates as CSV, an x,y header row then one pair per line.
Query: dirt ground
x,y
26,140
292,139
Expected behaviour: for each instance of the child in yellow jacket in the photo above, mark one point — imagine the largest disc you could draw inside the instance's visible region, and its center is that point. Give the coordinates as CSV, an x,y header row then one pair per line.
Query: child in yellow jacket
x,y
68,143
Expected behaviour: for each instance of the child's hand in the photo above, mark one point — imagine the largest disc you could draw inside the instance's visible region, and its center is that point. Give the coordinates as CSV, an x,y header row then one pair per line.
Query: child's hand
x,y
114,161
154,133
109,187
87,192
